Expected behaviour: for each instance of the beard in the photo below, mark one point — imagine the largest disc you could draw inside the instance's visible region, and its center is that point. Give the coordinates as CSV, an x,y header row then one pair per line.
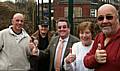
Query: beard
x,y
107,30
43,35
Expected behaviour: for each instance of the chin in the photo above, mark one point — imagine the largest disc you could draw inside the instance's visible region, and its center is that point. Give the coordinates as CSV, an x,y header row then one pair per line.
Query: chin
x,y
62,35
19,28
106,32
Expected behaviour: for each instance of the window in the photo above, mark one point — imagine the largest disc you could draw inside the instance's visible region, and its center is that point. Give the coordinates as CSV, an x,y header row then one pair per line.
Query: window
x,y
93,12
77,12
65,11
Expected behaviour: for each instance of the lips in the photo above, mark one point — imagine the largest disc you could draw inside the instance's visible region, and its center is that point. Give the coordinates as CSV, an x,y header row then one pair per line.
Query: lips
x,y
105,24
85,39
43,33
62,31
19,27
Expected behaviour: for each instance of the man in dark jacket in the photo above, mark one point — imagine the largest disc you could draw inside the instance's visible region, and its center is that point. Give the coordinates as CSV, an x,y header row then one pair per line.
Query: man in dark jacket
x,y
43,36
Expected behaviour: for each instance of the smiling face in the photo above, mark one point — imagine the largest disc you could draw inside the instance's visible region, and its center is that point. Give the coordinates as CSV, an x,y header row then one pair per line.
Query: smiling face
x,y
85,30
86,37
18,22
108,19
43,30
63,29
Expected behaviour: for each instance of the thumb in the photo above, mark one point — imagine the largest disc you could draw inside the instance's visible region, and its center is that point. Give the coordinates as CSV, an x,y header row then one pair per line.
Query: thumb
x,y
99,46
36,42
70,50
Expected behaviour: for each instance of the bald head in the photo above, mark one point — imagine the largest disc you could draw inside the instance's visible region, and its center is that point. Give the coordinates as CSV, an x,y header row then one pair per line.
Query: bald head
x,y
108,7
18,14
18,22
108,19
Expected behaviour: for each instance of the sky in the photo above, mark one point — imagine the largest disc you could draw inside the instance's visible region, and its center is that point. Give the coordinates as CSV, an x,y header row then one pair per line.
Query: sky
x,y
7,0
44,1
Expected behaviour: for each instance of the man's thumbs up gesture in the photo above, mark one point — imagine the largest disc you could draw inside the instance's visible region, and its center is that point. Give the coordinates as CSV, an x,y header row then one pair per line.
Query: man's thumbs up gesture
x,y
100,55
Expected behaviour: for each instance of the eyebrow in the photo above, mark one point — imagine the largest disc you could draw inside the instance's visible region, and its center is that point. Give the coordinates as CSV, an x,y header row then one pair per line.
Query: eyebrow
x,y
19,20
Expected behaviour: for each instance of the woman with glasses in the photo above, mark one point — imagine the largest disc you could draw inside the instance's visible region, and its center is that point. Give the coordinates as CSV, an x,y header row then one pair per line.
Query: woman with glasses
x,y
105,52
74,61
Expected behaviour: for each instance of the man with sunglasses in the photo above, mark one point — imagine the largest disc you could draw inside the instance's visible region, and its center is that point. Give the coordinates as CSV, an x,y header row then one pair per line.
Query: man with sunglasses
x,y
105,53
65,40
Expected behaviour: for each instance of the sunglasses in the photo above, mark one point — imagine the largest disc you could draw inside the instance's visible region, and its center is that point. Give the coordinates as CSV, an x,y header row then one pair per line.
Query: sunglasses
x,y
46,26
17,20
108,17
64,27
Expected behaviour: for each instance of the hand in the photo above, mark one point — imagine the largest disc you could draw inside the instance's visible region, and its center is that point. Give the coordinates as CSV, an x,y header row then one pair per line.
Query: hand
x,y
33,48
34,40
35,51
100,55
31,45
71,57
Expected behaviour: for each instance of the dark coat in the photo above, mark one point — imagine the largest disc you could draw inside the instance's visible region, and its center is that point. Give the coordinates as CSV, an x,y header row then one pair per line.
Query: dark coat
x,y
38,64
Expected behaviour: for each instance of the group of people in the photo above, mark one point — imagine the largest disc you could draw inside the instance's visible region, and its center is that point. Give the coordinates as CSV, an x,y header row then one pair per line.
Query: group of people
x,y
42,51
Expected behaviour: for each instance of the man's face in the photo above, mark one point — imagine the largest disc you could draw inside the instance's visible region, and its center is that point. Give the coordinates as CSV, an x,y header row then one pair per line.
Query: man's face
x,y
107,20
18,22
43,30
63,29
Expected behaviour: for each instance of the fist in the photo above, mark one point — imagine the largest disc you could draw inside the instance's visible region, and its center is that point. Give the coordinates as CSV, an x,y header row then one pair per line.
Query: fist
x,y
100,55
71,57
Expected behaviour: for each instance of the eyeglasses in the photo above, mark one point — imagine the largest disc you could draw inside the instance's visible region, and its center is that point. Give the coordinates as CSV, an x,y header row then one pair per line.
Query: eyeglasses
x,y
108,17
17,20
46,26
64,26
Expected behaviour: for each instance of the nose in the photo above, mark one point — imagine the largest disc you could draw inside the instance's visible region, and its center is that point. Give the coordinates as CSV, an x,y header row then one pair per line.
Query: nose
x,y
20,22
62,28
105,20
84,34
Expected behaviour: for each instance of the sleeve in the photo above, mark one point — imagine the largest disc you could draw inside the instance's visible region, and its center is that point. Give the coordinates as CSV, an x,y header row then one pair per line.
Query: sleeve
x,y
46,53
1,40
89,61
74,49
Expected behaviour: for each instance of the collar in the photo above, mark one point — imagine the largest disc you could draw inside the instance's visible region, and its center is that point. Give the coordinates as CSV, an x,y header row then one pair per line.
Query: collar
x,y
113,37
65,39
11,32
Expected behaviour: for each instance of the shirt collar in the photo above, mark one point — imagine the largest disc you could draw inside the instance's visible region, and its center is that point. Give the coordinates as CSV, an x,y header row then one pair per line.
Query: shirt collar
x,y
11,31
65,39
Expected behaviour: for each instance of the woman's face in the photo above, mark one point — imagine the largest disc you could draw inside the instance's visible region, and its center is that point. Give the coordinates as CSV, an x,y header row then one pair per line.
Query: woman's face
x,y
85,37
